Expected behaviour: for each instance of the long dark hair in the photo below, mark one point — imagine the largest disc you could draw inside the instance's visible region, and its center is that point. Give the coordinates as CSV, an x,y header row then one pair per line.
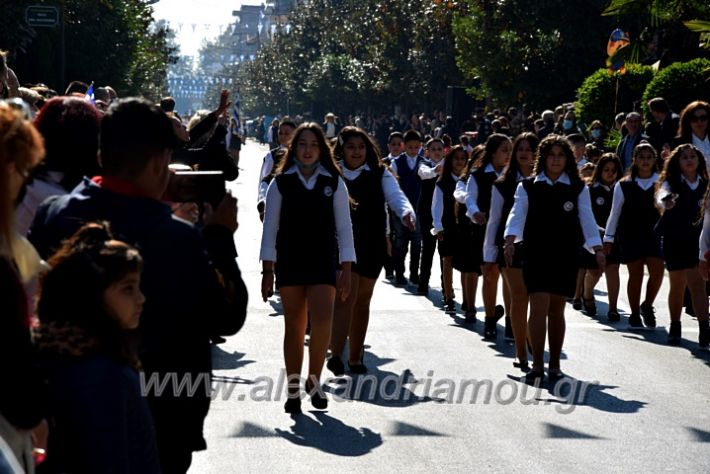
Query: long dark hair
x,y
607,158
671,169
447,167
326,154
685,132
476,156
492,144
72,292
544,149
510,175
372,153
634,169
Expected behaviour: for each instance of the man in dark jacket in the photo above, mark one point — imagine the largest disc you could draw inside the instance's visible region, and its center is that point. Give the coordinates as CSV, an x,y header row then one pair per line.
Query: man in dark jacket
x,y
191,281
664,127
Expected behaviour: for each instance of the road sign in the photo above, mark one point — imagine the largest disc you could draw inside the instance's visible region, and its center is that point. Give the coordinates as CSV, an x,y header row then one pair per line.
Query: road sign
x,y
42,16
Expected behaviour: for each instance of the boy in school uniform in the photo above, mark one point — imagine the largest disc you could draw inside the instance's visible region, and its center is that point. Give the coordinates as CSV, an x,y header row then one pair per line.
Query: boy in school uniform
x,y
271,162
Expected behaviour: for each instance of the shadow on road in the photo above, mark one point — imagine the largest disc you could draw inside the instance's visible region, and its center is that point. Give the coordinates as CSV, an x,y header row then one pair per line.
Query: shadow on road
x,y
223,360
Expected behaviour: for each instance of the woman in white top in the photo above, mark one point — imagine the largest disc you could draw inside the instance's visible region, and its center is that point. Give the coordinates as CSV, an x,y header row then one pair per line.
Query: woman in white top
x,y
307,230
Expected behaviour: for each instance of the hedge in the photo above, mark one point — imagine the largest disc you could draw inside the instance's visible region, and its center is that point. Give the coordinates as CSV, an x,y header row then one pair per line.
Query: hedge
x,y
680,84
595,97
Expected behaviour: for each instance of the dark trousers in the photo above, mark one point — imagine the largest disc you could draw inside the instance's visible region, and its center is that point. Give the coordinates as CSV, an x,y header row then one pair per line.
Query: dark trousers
x,y
402,238
428,251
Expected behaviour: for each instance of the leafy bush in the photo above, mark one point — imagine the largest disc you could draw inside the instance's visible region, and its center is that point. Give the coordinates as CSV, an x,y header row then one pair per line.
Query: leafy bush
x,y
680,84
596,96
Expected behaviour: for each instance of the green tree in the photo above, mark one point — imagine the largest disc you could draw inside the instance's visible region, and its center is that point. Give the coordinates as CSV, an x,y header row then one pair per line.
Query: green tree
x,y
530,52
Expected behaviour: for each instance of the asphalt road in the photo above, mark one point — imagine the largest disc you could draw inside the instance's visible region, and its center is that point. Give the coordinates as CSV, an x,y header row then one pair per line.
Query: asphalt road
x,y
445,400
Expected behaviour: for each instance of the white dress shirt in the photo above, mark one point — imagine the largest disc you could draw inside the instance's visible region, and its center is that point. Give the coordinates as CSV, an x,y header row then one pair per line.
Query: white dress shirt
x,y
411,162
518,215
490,248
341,210
266,168
437,208
394,196
618,202
665,189
430,172
472,191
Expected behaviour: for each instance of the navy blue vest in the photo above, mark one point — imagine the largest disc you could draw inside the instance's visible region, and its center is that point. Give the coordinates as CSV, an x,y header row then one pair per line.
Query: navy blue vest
x,y
447,184
409,179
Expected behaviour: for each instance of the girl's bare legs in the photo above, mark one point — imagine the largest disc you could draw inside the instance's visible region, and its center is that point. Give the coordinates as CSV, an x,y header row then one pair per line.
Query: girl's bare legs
x,y
675,293
556,330
320,307
293,299
537,327
696,285
448,276
613,283
591,278
360,318
469,282
342,315
490,288
513,278
633,287
655,278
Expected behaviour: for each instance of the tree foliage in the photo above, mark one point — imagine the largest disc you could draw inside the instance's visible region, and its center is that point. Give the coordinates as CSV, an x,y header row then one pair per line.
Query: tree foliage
x,y
109,42
602,95
530,52
355,55
680,84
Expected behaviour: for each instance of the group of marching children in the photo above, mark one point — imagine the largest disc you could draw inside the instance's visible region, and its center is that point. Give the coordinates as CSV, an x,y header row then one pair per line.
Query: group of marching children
x,y
519,209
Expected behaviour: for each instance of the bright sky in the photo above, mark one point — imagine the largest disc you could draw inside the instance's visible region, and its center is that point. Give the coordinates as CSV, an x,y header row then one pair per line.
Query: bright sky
x,y
195,20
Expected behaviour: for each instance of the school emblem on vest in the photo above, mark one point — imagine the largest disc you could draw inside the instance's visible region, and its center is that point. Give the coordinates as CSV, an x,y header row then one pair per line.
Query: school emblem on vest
x,y
600,201
568,206
328,191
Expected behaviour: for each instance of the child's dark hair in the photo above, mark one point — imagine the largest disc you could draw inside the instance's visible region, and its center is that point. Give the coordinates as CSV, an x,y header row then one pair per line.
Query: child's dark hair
x,y
326,154
448,167
607,158
544,149
372,153
511,171
671,169
72,292
433,140
412,135
394,135
493,142
287,123
641,147
576,138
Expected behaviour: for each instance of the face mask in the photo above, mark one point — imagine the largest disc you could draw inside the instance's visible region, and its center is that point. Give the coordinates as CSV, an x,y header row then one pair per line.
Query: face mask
x,y
567,124
305,167
596,133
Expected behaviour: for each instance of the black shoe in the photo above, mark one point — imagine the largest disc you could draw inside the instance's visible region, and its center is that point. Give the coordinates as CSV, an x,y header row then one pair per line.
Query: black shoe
x,y
400,280
577,304
509,330
613,316
674,333
521,364
704,336
293,405
389,276
357,368
318,398
470,317
490,330
648,314
635,321
464,306
554,376
499,312
533,377
414,279
423,290
450,307
218,340
590,307
335,365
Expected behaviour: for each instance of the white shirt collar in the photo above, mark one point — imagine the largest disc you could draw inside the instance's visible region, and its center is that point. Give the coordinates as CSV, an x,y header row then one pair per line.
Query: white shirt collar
x,y
319,170
564,179
685,180
654,177
597,184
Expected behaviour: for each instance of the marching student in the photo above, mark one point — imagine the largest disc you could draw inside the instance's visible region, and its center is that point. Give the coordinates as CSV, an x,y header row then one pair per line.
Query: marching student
x,y
443,212
502,197
556,198
428,174
601,189
271,163
680,192
370,185
478,201
306,227
395,146
631,224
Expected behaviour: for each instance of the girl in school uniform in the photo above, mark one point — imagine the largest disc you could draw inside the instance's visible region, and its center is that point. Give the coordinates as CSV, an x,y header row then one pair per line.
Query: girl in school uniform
x,y
371,185
444,217
478,201
502,197
631,224
552,215
307,229
601,189
680,194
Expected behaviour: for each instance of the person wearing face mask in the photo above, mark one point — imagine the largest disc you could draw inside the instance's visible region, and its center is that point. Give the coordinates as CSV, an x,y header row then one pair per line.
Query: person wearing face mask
x,y
597,135
568,125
